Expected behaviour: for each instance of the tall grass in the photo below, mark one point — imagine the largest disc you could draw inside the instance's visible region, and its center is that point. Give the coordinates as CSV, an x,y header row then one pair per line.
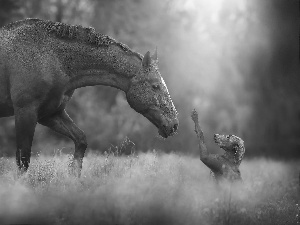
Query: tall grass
x,y
146,189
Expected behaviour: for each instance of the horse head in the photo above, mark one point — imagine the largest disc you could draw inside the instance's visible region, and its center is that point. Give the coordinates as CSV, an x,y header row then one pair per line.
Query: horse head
x,y
149,96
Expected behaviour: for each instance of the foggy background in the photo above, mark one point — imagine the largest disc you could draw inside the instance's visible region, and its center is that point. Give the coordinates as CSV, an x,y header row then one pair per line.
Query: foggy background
x,y
235,61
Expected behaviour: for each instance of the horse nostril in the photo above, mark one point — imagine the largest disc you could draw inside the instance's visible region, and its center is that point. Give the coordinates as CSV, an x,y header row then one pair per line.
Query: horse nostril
x,y
175,127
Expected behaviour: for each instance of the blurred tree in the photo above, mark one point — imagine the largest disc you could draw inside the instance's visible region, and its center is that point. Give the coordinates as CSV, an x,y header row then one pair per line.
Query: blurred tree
x,y
275,124
9,10
69,11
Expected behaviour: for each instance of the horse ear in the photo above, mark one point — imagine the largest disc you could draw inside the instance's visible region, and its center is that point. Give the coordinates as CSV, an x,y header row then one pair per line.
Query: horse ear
x,y
154,56
146,60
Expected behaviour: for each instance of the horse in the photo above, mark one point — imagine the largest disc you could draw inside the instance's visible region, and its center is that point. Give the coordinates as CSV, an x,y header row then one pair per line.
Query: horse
x,y
43,62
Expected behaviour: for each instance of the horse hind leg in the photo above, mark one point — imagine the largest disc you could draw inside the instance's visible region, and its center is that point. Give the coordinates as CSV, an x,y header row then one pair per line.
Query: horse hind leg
x,y
61,123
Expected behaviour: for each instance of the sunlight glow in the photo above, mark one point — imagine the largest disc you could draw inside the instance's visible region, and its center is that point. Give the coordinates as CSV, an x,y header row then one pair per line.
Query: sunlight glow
x,y
217,38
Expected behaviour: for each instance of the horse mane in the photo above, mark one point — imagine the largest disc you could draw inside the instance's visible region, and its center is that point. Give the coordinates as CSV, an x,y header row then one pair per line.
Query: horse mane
x,y
86,35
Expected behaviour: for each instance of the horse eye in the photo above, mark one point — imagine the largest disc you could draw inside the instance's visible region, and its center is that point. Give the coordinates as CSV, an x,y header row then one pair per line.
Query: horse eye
x,y
155,86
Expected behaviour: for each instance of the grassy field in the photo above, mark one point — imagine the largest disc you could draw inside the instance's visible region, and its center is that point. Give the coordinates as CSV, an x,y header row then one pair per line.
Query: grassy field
x,y
147,189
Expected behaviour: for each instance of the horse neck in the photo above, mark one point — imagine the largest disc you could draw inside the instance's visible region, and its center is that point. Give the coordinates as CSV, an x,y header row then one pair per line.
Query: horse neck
x,y
101,65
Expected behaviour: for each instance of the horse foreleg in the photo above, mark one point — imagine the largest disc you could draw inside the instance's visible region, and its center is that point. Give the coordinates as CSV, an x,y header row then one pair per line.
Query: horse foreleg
x,y
25,123
61,123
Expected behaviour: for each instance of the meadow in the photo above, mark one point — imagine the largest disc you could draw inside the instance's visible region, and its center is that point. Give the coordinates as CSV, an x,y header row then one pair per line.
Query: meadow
x,y
149,188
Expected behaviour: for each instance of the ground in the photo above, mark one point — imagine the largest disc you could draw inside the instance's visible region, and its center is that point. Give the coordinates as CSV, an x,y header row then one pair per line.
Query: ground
x,y
147,189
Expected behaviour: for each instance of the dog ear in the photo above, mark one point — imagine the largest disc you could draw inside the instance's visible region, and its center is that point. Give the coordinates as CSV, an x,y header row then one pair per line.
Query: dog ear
x,y
235,148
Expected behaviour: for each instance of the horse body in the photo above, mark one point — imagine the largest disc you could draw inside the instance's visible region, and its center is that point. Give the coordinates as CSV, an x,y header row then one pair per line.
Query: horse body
x,y
42,63
30,72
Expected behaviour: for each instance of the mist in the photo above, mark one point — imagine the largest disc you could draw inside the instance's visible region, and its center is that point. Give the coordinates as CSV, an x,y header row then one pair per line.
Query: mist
x,y
146,189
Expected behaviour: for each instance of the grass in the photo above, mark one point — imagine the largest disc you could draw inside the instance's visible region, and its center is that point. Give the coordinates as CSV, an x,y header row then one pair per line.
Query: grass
x,y
147,189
